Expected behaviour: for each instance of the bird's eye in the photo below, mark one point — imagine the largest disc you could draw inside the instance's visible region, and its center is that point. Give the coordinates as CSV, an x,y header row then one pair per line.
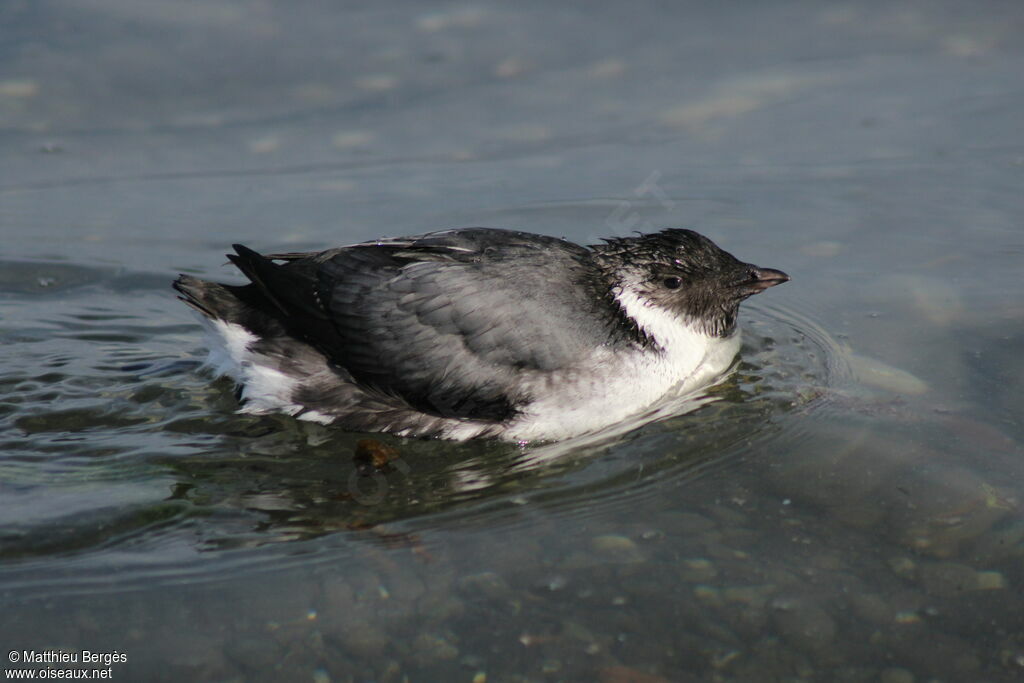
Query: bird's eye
x,y
673,282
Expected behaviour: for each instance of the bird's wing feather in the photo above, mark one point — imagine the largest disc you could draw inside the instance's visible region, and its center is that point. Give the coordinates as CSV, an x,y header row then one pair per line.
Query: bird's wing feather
x,y
447,321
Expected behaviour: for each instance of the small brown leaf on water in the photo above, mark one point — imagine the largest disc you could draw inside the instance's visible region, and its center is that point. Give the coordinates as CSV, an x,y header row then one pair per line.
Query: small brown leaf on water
x,y
375,453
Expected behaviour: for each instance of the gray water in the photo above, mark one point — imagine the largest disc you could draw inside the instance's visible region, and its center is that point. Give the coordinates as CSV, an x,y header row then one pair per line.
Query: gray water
x,y
848,507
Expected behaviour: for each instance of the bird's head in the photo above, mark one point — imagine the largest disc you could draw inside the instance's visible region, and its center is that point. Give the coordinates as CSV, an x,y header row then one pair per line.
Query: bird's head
x,y
685,275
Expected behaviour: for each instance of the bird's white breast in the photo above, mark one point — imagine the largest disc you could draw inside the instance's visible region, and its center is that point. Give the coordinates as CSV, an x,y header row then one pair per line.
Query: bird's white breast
x,y
613,384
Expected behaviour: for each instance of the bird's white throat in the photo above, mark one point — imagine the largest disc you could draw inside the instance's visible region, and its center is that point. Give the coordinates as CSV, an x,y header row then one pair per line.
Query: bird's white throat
x,y
685,346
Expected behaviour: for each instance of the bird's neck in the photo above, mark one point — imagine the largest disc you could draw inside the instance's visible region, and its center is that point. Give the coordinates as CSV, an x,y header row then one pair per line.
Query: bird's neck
x,y
665,330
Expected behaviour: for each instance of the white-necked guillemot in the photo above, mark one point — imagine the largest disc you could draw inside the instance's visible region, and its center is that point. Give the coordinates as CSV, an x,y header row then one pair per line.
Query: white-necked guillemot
x,y
477,332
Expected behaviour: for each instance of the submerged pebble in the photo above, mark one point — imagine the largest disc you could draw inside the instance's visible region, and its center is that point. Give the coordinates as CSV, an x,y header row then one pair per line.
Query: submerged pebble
x,y
439,606
952,578
487,585
952,509
903,566
697,569
363,640
460,17
20,89
264,145
377,82
617,548
803,624
880,375
871,608
253,653
990,580
624,674
753,596
510,67
947,578
429,648
608,68
687,523
895,675
352,139
708,594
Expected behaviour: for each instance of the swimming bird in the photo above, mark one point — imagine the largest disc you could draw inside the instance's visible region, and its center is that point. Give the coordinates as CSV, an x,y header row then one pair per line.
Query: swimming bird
x,y
477,332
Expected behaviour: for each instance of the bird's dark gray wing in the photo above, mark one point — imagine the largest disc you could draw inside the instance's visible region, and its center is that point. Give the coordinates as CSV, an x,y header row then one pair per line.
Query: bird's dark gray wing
x,y
449,320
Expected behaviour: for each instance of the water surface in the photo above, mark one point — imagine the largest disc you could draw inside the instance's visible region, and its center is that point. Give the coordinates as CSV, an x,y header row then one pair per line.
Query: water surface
x,y
847,508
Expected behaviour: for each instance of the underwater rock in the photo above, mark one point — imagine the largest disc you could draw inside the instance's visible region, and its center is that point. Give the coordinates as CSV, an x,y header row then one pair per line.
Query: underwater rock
x,y
363,640
617,548
880,375
753,596
488,585
895,675
953,508
871,608
697,569
625,674
252,653
951,578
943,579
686,523
429,648
803,624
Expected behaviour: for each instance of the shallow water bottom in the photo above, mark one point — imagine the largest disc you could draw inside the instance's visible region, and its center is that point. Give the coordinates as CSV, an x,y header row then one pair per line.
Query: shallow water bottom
x,y
891,567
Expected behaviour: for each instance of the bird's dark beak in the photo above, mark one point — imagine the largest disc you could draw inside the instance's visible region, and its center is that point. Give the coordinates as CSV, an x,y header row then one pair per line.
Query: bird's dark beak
x,y
760,279
768,277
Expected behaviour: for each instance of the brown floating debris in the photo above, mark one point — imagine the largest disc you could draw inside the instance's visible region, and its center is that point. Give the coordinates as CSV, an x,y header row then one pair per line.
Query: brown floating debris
x,y
375,453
